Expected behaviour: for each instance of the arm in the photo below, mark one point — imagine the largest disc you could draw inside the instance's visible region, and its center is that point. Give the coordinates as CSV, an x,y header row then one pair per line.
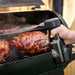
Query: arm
x,y
64,33
72,37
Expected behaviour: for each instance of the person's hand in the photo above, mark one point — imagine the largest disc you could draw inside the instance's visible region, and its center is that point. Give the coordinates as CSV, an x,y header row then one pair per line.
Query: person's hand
x,y
63,33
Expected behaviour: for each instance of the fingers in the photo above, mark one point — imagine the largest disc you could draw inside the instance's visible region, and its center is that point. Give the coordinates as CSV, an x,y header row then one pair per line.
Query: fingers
x,y
55,31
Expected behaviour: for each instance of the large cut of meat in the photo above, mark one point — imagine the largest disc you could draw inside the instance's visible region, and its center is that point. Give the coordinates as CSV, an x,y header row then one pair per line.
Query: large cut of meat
x,y
30,42
4,49
8,28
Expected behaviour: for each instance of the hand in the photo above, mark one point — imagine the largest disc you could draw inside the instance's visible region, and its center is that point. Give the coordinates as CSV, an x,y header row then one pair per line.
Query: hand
x,y
63,33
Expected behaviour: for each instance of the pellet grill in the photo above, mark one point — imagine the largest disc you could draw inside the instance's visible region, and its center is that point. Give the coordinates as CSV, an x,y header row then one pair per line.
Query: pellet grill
x,y
26,64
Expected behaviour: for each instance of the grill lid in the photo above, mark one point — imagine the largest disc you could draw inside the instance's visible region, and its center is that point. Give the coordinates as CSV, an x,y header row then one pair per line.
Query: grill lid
x,y
14,3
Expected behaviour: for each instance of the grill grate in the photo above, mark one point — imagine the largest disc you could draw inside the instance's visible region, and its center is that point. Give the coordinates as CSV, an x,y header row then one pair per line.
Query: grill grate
x,y
18,57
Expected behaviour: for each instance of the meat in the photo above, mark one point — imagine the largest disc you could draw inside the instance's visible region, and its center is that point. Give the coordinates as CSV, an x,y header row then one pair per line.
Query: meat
x,y
30,42
8,28
4,49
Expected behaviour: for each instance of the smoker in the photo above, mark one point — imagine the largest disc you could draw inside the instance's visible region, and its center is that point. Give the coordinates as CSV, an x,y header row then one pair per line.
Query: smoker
x,y
42,63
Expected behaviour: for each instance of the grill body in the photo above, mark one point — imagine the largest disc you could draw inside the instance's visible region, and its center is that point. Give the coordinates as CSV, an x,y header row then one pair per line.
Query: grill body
x,y
36,64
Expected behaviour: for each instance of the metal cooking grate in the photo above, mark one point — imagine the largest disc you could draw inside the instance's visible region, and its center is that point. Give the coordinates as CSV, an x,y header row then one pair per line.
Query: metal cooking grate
x,y
15,57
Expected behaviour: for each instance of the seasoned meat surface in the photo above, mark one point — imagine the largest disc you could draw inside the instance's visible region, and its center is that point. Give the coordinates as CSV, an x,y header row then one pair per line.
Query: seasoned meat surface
x,y
4,49
30,42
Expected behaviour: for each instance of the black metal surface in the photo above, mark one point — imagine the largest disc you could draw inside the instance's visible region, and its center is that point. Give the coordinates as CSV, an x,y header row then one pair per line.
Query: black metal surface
x,y
52,23
14,3
30,66
18,57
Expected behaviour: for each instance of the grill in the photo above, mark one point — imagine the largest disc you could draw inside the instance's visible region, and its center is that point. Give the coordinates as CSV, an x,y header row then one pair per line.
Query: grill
x,y
41,63
13,55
